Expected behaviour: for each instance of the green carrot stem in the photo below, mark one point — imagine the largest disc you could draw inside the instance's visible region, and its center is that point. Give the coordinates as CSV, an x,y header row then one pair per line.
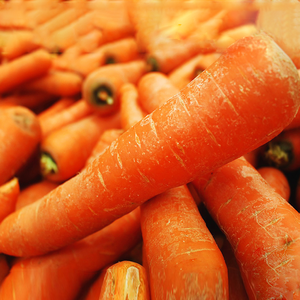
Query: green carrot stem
x,y
48,164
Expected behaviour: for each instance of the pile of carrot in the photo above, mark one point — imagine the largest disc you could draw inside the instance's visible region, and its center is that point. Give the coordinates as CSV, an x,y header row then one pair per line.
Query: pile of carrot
x,y
148,150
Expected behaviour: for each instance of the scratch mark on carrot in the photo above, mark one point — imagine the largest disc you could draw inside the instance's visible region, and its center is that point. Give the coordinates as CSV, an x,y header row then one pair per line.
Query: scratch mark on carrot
x,y
92,211
144,176
183,104
272,222
137,140
242,210
101,180
178,158
152,125
119,161
180,148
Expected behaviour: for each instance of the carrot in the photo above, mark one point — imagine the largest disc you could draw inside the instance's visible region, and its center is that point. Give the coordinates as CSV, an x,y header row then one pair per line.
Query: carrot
x,y
154,89
297,195
34,192
283,151
20,134
186,72
101,89
23,69
4,267
61,274
58,106
57,83
180,251
62,154
120,51
253,157
277,180
71,114
182,139
9,193
12,17
125,280
130,111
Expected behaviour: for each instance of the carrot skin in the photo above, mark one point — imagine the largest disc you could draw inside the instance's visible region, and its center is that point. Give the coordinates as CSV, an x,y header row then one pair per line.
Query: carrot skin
x,y
196,145
262,228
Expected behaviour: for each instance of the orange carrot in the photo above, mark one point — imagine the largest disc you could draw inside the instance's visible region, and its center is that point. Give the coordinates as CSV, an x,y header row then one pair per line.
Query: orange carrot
x,y
58,83
253,157
65,151
20,134
277,180
186,72
125,280
34,192
23,69
182,139
9,193
262,228
59,105
75,112
130,111
154,89
69,268
180,251
101,89
4,268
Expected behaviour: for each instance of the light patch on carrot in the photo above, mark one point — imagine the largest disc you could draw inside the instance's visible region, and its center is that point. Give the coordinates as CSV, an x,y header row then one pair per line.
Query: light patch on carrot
x,y
119,161
183,104
145,178
101,180
152,125
272,222
243,209
178,158
180,147
92,211
137,140
132,284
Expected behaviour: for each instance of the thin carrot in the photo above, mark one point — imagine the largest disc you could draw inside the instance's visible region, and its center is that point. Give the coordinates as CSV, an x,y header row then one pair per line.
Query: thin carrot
x,y
75,112
180,251
34,192
62,154
23,69
130,110
61,274
101,89
154,89
262,228
179,141
9,193
277,180
125,280
20,134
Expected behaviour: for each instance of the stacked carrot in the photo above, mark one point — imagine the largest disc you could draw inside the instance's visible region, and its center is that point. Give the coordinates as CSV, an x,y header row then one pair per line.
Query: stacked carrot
x,y
125,130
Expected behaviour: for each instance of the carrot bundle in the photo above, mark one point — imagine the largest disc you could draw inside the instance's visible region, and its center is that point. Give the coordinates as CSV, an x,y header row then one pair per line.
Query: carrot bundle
x,y
262,228
181,140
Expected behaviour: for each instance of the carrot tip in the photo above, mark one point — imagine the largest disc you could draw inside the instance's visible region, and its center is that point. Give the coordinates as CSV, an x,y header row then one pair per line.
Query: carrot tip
x,y
48,164
110,60
152,64
279,154
103,96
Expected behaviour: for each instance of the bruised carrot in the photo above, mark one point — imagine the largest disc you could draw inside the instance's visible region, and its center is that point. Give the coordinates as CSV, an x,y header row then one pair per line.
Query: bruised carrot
x,y
277,180
125,280
283,151
181,140
130,111
154,89
186,72
20,134
62,151
9,193
180,251
23,69
101,89
58,83
71,114
4,267
71,267
262,228
34,192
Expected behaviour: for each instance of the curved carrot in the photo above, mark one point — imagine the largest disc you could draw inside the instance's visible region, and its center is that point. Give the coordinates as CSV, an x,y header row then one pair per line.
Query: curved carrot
x,y
262,228
65,151
277,180
101,88
182,139
71,114
154,89
61,274
130,111
34,192
9,193
180,251
125,280
23,69
20,132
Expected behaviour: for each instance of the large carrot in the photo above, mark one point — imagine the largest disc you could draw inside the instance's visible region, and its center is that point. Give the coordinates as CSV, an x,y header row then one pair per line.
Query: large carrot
x,y
179,249
61,274
101,89
184,138
20,134
23,69
262,228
